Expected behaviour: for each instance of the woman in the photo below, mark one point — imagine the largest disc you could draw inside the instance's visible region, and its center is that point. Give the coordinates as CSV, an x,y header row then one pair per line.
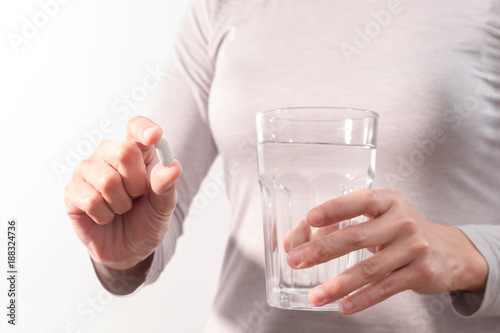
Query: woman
x,y
429,69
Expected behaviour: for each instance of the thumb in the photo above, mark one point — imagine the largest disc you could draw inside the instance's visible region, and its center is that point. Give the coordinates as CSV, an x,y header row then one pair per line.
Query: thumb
x,y
163,196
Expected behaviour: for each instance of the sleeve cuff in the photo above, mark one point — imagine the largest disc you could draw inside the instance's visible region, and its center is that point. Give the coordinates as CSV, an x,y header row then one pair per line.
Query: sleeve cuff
x,y
123,283
486,238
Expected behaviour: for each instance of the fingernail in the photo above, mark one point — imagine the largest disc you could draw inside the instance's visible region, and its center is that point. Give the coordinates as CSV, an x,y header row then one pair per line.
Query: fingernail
x,y
346,307
294,258
315,217
317,296
147,133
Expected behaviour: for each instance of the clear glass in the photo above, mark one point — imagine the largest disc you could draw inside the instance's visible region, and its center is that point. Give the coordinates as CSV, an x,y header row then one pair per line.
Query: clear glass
x,y
307,156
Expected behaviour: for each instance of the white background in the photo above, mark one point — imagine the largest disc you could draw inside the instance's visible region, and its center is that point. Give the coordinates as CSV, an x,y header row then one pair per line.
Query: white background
x,y
59,82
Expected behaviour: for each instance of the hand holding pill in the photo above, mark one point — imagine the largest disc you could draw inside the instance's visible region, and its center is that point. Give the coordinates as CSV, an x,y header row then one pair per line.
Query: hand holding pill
x,y
124,195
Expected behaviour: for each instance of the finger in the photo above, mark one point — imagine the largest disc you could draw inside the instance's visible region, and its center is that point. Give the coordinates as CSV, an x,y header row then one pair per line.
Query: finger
x,y
143,131
298,236
364,272
108,182
354,237
127,158
82,198
322,232
274,237
379,290
371,203
162,195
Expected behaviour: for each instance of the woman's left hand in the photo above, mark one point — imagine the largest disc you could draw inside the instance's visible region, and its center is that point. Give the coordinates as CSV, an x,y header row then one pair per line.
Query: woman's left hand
x,y
410,253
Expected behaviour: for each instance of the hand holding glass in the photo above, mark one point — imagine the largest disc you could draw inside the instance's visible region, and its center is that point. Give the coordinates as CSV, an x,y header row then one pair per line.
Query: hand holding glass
x,y
307,156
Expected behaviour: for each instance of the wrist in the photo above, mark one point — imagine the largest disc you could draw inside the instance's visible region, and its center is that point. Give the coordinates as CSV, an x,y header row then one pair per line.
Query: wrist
x,y
131,267
473,268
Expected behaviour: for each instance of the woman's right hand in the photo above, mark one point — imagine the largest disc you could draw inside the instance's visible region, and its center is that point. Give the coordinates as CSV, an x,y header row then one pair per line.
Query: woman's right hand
x,y
120,200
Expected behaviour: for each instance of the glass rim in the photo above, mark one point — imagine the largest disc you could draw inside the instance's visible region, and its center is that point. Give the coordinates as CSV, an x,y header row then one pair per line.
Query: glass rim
x,y
363,113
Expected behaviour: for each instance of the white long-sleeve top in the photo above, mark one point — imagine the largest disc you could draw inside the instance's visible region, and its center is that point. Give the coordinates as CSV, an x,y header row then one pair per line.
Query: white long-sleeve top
x,y
431,69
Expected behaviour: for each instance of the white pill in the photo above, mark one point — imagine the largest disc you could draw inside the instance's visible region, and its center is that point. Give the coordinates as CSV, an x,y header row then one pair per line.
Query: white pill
x,y
164,152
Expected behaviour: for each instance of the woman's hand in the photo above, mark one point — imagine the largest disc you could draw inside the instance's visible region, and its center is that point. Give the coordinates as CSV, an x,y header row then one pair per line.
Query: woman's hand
x,y
410,252
120,200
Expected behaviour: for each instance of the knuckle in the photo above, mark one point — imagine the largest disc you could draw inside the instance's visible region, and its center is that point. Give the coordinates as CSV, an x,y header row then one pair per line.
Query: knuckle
x,y
319,252
368,196
409,227
428,272
343,286
368,269
127,153
370,201
398,200
109,180
81,166
421,247
138,124
386,288
92,201
393,193
356,235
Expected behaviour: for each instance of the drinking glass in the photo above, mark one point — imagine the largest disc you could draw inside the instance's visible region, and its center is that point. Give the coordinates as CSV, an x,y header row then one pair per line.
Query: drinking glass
x,y
306,156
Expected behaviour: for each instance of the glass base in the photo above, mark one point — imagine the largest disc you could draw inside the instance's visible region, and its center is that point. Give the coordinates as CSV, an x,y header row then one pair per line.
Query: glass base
x,y
296,299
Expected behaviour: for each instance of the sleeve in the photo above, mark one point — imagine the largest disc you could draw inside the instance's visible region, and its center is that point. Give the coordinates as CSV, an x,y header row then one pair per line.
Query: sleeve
x,y
180,106
486,238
